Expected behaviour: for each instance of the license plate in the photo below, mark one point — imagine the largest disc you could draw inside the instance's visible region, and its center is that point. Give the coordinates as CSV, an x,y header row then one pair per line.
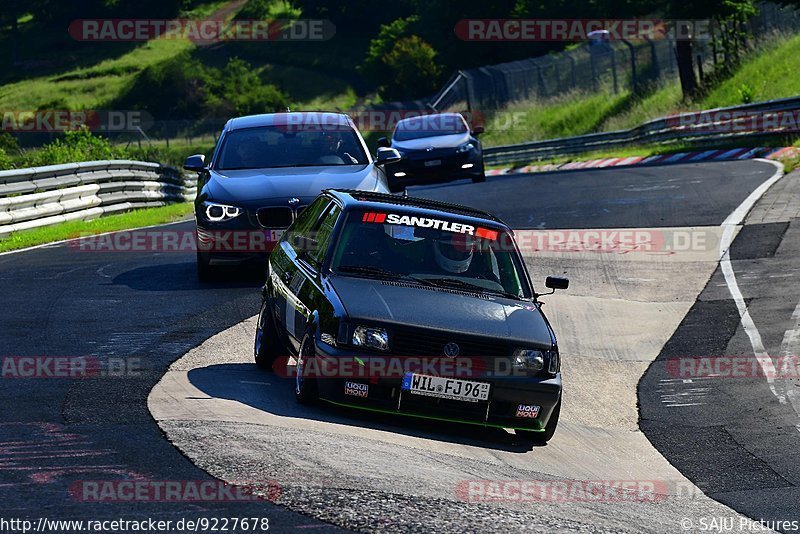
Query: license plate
x,y
433,163
274,235
446,388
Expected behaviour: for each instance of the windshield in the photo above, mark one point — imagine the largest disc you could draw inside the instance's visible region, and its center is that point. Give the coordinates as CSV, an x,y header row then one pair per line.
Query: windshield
x,y
441,252
429,126
277,146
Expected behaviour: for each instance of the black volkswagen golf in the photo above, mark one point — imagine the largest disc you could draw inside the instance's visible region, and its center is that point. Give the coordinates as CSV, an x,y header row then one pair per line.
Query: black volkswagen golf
x,y
410,306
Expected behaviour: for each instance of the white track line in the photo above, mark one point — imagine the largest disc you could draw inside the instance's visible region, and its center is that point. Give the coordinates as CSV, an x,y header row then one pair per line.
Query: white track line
x,y
729,227
56,243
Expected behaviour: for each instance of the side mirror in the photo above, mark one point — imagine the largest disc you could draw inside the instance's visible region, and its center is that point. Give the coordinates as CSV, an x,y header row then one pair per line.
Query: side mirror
x,y
387,155
556,282
195,163
383,142
304,244
477,129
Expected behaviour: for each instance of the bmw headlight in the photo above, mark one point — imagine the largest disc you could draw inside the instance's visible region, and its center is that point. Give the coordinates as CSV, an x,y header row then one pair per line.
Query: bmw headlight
x,y
373,338
221,212
466,147
529,361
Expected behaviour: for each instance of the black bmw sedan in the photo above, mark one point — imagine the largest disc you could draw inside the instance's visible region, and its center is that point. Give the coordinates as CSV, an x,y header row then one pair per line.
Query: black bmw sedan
x,y
265,169
434,148
411,307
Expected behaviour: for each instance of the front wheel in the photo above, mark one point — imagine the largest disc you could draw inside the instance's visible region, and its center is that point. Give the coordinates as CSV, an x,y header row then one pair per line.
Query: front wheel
x,y
205,272
305,390
266,346
481,177
542,438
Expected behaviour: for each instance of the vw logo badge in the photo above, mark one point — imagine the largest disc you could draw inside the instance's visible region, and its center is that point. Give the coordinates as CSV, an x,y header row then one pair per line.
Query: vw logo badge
x,y
429,149
294,201
451,350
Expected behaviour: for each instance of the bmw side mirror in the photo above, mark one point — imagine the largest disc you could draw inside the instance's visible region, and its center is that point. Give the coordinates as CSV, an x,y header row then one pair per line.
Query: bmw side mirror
x,y
195,163
477,129
383,142
556,282
387,155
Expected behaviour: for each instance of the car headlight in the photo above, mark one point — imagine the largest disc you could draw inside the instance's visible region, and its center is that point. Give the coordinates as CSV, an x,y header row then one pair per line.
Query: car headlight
x,y
221,212
528,361
554,362
466,147
373,338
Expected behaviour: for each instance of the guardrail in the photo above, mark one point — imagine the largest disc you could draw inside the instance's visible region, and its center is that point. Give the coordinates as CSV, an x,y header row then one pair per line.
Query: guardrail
x,y
685,127
42,196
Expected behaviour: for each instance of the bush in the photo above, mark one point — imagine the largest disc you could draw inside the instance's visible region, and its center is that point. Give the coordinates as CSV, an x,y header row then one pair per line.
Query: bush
x,y
183,88
5,161
78,145
415,73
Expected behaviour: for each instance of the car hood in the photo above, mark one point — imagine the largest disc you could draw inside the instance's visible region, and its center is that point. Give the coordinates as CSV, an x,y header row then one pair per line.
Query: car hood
x,y
303,182
439,141
424,307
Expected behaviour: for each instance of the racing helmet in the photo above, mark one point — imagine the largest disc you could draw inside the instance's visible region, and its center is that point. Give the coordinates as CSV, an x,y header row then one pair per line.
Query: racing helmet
x,y
454,255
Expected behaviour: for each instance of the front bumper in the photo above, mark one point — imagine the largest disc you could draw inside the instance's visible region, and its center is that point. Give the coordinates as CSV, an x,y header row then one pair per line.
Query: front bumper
x,y
235,242
385,394
417,169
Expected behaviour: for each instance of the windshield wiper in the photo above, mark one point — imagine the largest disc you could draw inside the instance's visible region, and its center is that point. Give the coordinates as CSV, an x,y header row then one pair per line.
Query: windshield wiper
x,y
380,272
461,284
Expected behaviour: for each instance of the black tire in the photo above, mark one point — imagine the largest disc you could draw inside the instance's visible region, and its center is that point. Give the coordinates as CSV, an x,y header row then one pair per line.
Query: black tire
x,y
266,347
305,388
205,272
481,177
541,438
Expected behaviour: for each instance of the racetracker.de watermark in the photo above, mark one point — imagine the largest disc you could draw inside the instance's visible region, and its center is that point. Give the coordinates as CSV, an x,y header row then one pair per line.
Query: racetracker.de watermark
x,y
732,121
182,491
574,30
29,367
784,366
202,30
62,120
562,491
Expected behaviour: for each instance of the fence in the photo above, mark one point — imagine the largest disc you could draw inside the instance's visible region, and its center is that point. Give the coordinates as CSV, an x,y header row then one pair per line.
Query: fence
x,y
606,66
42,196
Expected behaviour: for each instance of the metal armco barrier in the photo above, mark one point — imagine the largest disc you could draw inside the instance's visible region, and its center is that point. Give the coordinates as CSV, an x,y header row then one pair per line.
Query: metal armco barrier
x,y
664,130
42,196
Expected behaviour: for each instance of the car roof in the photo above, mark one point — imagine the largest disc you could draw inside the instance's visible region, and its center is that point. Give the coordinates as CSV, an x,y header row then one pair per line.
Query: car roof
x,y
351,198
292,117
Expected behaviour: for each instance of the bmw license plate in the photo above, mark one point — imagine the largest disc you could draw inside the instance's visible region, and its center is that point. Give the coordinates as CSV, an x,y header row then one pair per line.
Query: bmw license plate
x,y
446,388
433,162
274,235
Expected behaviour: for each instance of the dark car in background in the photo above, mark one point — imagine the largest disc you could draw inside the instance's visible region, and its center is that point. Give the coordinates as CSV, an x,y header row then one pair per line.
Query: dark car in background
x,y
264,171
434,148
414,307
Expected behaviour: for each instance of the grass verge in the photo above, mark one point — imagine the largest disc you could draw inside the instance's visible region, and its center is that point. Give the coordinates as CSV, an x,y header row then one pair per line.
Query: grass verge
x,y
111,223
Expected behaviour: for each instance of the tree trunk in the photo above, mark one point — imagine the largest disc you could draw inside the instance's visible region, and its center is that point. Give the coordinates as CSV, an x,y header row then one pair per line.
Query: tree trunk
x,y
683,53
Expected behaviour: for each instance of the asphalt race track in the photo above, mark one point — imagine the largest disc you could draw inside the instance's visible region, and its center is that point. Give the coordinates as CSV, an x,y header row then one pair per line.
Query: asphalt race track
x,y
625,315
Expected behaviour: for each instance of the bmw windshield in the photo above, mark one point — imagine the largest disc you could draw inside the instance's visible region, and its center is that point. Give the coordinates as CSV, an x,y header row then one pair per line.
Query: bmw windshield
x,y
430,251
295,146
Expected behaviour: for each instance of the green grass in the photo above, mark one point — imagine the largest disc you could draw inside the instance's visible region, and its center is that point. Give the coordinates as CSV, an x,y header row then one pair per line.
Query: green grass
x,y
769,72
71,229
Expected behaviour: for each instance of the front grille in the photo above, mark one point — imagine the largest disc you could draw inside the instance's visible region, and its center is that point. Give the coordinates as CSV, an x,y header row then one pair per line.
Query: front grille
x,y
279,217
419,342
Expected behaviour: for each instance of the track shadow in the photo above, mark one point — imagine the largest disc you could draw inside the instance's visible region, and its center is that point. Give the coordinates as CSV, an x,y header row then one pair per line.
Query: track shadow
x,y
183,277
268,392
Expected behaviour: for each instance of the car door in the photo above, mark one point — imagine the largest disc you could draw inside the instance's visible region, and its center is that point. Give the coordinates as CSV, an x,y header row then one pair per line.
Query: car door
x,y
303,291
285,278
